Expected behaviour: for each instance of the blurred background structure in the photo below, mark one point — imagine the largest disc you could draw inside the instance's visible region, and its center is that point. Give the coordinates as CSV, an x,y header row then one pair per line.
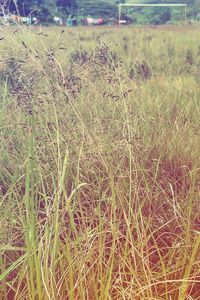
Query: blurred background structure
x,y
98,12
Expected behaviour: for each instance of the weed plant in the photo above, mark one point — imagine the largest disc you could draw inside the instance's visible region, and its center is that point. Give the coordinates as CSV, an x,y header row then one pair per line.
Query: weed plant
x,y
99,164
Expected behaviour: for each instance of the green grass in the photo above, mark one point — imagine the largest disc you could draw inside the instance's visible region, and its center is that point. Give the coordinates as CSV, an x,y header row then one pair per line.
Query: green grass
x,y
99,163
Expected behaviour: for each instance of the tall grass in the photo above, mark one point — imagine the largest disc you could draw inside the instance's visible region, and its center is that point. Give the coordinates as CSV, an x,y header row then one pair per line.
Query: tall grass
x,y
99,157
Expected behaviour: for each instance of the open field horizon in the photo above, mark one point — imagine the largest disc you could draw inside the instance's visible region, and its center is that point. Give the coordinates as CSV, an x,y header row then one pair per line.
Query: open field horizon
x,y
100,163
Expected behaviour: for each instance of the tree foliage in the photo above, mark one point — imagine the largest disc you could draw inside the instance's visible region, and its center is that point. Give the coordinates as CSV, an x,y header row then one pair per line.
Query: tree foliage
x,y
46,9
97,8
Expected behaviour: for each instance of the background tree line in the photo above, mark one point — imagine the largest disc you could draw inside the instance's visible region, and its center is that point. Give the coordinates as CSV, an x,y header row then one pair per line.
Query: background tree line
x,y
46,9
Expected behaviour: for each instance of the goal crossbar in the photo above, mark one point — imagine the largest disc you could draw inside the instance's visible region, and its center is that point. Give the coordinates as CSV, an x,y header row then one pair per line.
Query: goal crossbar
x,y
150,4
121,5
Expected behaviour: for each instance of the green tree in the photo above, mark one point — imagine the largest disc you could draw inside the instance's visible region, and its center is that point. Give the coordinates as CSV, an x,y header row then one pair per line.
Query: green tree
x,y
66,7
25,7
97,8
46,10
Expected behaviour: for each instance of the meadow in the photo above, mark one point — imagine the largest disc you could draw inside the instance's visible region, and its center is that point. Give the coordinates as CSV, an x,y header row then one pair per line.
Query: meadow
x,y
100,163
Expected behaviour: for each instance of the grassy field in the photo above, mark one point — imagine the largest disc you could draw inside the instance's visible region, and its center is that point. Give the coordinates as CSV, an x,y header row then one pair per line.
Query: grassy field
x,y
100,163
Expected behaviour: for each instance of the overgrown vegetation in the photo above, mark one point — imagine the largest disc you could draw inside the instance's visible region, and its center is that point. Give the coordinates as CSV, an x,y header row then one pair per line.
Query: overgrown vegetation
x,y
99,164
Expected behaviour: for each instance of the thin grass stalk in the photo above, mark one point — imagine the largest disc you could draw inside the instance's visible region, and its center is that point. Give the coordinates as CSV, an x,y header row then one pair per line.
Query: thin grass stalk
x,y
186,276
31,223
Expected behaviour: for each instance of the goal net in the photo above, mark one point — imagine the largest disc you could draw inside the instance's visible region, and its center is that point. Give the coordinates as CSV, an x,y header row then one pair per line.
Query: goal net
x,y
125,7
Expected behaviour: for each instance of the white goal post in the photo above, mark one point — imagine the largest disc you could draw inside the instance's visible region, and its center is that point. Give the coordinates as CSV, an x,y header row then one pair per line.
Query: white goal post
x,y
121,5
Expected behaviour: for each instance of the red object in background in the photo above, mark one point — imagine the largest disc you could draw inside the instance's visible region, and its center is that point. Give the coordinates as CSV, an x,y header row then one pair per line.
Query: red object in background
x,y
100,21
